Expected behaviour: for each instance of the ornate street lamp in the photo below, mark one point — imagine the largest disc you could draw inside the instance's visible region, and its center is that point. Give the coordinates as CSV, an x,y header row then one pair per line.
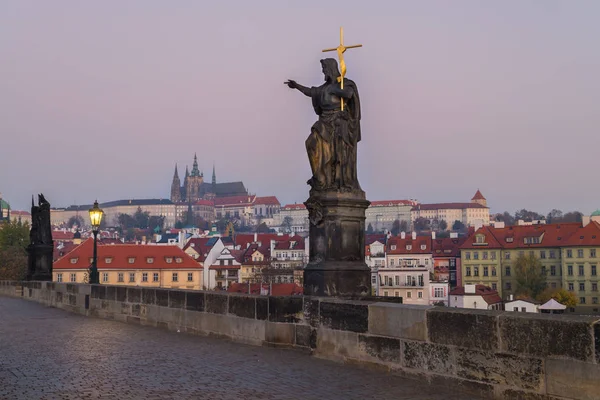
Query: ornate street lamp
x,y
96,215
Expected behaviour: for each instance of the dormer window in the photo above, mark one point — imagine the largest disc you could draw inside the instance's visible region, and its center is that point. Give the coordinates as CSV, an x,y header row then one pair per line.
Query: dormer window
x,y
423,247
74,260
509,240
131,260
408,247
178,260
108,260
150,260
393,247
169,260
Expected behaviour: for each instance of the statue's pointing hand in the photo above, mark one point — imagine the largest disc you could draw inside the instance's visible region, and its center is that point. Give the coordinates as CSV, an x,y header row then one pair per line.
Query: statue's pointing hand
x,y
291,84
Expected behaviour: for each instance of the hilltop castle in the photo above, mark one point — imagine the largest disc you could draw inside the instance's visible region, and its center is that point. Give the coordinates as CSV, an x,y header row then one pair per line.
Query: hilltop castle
x,y
194,188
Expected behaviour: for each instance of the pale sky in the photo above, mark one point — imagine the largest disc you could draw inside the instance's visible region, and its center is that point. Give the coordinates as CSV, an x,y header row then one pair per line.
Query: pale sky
x,y
101,99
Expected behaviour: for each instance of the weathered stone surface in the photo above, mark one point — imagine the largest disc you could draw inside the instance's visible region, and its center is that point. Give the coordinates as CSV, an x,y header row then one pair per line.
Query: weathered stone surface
x,y
337,344
216,303
148,296
382,348
306,336
429,357
568,336
71,287
345,315
311,311
518,394
398,320
121,293
111,293
242,306
505,369
176,299
597,341
58,297
98,292
194,301
262,308
573,379
452,384
134,295
247,330
280,333
162,297
476,329
285,309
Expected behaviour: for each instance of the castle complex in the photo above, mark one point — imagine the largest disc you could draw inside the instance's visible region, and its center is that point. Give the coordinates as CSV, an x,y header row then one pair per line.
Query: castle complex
x,y
194,188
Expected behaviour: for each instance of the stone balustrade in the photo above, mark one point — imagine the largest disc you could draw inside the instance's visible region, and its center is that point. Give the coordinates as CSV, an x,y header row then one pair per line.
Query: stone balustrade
x,y
493,354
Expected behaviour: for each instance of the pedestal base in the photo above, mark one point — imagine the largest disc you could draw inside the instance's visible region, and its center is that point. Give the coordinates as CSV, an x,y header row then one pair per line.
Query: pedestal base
x,y
337,278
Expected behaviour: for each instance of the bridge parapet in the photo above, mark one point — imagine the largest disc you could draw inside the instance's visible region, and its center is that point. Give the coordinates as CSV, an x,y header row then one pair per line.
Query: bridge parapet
x,y
502,355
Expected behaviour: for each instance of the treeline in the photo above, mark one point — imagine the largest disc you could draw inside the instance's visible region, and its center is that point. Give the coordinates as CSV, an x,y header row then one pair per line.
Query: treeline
x,y
14,239
553,217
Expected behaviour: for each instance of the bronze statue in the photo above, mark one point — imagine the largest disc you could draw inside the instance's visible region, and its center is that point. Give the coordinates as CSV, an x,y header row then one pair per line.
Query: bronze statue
x,y
332,143
41,244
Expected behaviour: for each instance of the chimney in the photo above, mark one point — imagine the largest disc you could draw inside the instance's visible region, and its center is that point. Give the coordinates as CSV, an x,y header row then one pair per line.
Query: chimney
x,y
402,235
510,297
585,220
414,235
453,235
255,237
433,235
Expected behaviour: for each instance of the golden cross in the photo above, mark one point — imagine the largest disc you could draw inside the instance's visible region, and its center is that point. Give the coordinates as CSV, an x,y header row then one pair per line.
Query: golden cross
x,y
341,49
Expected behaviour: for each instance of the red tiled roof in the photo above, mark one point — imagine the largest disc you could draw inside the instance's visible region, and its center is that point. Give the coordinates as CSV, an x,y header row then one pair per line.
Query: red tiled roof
x,y
512,237
446,206
415,245
203,202
199,245
243,239
62,235
478,196
375,237
267,200
121,253
234,201
489,295
588,235
65,249
277,289
17,213
447,247
389,203
298,206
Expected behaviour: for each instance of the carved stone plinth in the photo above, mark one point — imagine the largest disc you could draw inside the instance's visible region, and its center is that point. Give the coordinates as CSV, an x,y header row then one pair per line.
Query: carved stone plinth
x,y
336,264
40,262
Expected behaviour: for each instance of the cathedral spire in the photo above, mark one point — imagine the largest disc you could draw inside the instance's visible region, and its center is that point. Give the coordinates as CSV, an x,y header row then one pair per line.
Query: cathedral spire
x,y
195,170
214,176
176,175
176,187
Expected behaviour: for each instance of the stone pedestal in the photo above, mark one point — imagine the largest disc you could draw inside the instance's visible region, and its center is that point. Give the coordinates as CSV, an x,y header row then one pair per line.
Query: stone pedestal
x,y
40,262
336,264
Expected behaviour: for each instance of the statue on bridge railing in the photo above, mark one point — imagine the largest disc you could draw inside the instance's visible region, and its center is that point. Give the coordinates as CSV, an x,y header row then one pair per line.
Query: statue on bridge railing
x,y
41,245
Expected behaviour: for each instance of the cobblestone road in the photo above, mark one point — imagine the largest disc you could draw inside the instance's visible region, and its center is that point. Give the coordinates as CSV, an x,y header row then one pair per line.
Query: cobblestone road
x,y
47,353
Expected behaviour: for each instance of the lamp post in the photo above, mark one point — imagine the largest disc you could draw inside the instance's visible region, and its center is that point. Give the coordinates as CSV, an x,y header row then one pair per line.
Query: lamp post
x,y
96,214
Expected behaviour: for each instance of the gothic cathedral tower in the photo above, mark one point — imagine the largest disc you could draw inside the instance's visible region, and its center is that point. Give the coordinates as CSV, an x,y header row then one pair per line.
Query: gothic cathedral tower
x,y
193,183
176,187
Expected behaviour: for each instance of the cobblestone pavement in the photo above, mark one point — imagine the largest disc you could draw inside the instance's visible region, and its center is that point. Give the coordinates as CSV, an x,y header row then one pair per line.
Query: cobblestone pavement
x,y
47,353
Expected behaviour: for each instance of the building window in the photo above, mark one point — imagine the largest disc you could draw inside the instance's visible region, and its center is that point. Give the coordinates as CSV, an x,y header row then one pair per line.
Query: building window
x,y
438,292
155,277
594,300
190,276
132,277
571,287
397,280
108,260
485,271
493,271
582,300
553,284
493,255
494,286
408,295
396,294
175,276
144,277
569,253
484,255
581,286
391,262
120,279
169,260
592,253
570,270
507,271
553,270
508,286
178,260
579,253
408,247
593,270
542,254
149,260
475,271
475,255
385,294
507,255
420,295
58,277
468,271
131,260
105,277
552,254
73,260
73,278
581,270
467,255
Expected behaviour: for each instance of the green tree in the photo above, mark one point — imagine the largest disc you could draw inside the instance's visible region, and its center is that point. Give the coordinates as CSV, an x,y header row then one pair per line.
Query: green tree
x,y
287,223
506,217
404,227
563,296
141,218
263,228
75,220
422,224
370,229
527,215
458,226
14,233
14,239
443,225
125,221
155,221
529,277
396,227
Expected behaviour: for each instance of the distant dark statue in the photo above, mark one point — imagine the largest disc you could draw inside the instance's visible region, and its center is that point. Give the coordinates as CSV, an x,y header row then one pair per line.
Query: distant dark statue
x,y
41,246
332,143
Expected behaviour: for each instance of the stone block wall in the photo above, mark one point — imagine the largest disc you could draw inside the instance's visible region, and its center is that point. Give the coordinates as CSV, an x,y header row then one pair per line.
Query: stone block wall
x,y
500,355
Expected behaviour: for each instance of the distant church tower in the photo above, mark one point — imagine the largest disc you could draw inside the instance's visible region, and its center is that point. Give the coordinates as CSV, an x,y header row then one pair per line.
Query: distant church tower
x,y
214,180
176,187
193,183
479,199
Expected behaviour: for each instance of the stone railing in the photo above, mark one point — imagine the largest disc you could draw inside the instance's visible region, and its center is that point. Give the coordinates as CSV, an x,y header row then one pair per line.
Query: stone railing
x,y
500,355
